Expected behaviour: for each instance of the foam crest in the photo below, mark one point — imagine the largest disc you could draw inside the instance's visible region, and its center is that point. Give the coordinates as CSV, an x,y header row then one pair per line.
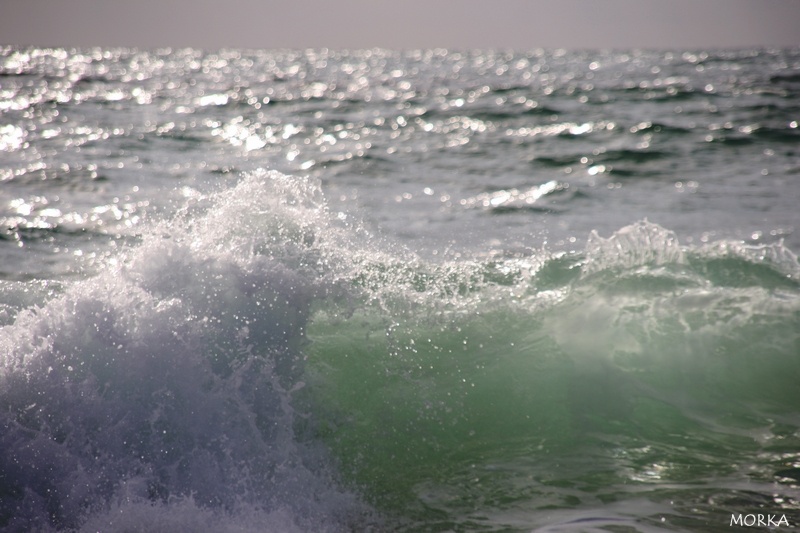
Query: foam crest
x,y
639,244
163,386
640,285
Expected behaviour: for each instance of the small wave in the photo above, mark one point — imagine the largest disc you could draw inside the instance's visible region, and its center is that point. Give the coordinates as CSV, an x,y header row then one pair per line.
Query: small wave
x,y
510,200
633,156
787,77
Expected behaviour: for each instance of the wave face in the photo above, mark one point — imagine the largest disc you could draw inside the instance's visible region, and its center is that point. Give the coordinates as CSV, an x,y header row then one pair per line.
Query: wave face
x,y
259,363
639,384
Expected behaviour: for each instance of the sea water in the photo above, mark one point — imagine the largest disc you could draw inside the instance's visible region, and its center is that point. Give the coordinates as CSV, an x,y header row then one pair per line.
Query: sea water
x,y
427,290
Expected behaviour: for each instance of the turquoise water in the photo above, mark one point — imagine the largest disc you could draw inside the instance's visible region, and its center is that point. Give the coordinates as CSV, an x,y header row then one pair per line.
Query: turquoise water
x,y
483,291
658,390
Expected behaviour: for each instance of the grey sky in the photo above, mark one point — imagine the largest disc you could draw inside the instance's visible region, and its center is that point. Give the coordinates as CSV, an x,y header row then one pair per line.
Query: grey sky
x,y
520,24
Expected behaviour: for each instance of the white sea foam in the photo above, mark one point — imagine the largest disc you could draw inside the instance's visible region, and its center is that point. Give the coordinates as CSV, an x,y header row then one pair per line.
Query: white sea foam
x,y
157,395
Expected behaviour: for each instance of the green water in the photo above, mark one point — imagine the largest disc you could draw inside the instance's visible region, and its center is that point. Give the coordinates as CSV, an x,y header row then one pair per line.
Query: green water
x,y
664,394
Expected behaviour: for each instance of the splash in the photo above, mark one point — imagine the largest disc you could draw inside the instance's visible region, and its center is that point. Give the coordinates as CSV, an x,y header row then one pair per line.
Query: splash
x,y
163,386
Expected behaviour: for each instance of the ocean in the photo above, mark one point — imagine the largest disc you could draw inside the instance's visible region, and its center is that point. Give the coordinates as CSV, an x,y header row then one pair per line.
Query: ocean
x,y
396,291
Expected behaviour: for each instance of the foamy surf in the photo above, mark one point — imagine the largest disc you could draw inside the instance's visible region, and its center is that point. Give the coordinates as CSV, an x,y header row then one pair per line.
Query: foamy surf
x,y
157,395
258,362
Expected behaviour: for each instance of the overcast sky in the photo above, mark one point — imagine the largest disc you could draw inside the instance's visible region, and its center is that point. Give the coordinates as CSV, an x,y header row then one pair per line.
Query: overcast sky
x,y
401,24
